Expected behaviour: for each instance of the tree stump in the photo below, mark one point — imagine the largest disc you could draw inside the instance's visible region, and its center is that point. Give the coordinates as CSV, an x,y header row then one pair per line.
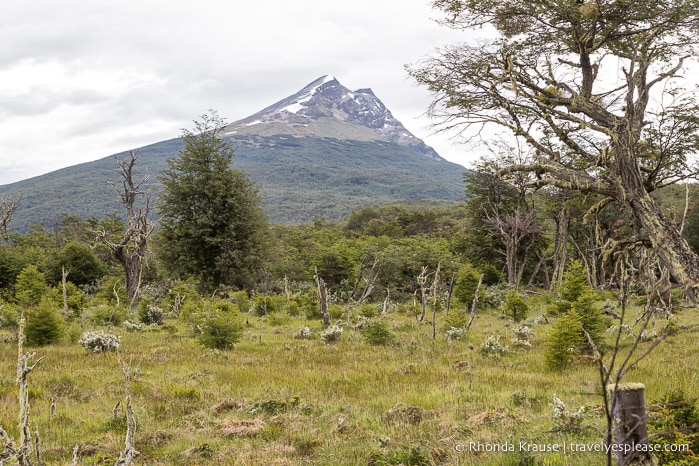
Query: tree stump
x,y
630,430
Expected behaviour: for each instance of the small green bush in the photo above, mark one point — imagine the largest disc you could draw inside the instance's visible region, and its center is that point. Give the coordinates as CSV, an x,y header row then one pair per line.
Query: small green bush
x,y
44,327
331,334
574,281
100,341
377,333
149,314
515,306
564,341
466,284
30,286
456,319
674,420
220,332
9,315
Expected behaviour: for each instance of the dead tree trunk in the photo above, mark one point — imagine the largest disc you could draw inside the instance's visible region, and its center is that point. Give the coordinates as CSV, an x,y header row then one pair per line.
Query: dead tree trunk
x,y
630,431
7,208
422,281
130,250
322,299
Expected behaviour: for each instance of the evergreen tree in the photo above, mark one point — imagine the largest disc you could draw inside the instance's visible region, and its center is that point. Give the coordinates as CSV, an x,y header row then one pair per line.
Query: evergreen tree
x,y
212,226
564,341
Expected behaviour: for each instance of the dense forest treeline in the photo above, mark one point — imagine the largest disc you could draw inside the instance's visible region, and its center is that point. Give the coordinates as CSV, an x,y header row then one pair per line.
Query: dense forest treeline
x,y
383,248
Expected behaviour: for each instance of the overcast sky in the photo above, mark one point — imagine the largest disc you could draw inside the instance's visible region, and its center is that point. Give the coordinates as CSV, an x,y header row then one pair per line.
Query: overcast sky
x,y
81,80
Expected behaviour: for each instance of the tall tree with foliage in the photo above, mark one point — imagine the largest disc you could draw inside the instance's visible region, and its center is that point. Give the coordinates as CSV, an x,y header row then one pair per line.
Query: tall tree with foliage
x,y
595,90
212,226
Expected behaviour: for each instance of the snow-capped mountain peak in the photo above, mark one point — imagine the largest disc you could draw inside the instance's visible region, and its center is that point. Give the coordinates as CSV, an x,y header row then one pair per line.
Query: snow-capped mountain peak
x,y
326,108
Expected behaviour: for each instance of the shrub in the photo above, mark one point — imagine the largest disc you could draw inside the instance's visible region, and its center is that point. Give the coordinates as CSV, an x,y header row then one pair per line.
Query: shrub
x,y
521,336
304,333
574,281
377,333
674,419
456,333
99,341
515,307
44,326
564,341
132,326
331,334
267,304
564,419
149,314
30,286
220,332
242,300
9,316
456,319
492,347
367,310
104,314
466,284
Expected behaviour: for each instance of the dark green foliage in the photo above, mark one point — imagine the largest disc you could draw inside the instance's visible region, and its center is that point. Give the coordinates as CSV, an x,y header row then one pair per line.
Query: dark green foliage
x,y
515,306
9,315
377,333
30,286
456,318
315,178
674,420
466,284
212,226
563,341
574,281
82,265
220,332
44,326
591,318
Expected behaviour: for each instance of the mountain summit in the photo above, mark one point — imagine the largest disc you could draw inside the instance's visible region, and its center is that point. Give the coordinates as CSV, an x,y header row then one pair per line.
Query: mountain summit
x,y
326,108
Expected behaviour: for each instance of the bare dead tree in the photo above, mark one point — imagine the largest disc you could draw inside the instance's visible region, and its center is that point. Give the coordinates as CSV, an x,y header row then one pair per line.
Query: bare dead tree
x,y
368,275
422,281
474,305
7,208
129,453
435,300
515,231
322,298
130,250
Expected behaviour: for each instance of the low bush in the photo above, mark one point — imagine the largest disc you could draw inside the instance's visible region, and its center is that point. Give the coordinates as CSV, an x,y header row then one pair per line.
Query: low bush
x,y
331,334
220,332
44,327
377,333
100,341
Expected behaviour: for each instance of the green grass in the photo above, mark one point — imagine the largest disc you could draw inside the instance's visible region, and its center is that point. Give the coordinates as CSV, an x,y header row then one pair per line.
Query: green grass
x,y
275,399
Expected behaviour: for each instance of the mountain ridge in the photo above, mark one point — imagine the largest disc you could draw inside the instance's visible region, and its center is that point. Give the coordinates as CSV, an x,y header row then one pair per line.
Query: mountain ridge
x,y
338,150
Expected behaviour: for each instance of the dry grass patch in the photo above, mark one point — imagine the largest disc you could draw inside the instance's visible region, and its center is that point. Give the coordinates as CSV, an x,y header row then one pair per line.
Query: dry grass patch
x,y
242,427
407,414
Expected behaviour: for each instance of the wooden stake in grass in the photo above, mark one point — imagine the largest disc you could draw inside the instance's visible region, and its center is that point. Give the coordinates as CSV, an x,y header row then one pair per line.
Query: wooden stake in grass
x,y
630,430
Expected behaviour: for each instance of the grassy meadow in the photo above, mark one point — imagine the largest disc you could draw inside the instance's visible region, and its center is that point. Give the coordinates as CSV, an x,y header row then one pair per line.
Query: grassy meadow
x,y
275,399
